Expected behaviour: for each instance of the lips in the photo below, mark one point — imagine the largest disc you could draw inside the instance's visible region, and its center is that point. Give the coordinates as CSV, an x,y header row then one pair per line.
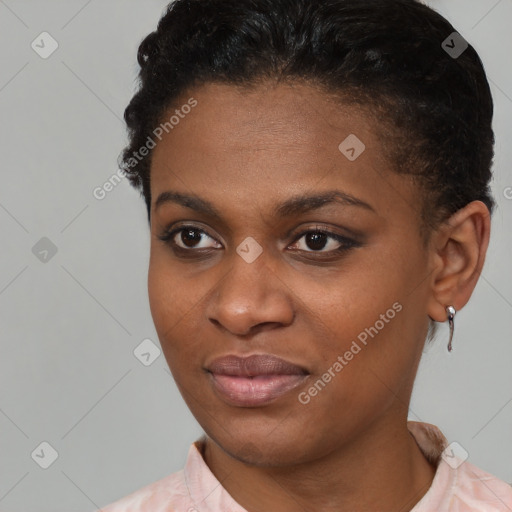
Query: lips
x,y
255,380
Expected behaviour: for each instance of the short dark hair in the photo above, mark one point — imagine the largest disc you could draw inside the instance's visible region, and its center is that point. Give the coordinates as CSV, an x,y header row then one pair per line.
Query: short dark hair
x,y
435,109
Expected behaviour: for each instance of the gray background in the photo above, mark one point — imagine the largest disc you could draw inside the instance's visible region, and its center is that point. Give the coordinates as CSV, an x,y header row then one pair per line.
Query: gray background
x,y
69,325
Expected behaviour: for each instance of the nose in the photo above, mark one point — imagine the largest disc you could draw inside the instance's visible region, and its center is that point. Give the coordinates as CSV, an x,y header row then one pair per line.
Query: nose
x,y
249,298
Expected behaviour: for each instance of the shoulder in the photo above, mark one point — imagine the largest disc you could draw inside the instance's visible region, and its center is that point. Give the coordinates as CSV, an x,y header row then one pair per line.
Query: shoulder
x,y
169,493
176,491
477,488
458,485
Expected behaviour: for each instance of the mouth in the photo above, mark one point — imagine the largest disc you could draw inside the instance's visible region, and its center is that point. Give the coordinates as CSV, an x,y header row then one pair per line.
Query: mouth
x,y
255,380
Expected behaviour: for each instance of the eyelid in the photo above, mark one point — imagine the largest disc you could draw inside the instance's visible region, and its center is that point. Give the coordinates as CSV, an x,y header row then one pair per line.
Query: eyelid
x,y
174,227
317,227
342,232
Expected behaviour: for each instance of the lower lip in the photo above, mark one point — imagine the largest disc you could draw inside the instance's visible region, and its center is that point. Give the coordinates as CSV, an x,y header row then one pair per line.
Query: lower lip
x,y
256,391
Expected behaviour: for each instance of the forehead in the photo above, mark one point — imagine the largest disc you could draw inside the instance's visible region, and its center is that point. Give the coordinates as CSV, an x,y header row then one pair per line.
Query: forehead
x,y
291,112
271,141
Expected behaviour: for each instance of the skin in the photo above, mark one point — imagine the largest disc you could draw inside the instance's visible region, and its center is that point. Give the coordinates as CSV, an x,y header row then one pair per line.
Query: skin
x,y
245,151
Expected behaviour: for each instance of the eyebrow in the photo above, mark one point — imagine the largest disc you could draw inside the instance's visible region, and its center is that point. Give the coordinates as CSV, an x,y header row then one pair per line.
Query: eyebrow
x,y
293,206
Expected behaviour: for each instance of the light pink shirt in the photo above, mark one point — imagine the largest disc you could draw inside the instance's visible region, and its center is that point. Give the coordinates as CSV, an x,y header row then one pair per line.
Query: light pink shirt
x,y
458,486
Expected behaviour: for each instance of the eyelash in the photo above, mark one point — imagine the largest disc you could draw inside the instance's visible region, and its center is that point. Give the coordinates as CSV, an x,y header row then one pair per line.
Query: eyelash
x,y
346,243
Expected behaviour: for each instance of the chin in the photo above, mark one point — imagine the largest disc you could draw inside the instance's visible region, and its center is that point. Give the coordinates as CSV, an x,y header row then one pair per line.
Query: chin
x,y
256,450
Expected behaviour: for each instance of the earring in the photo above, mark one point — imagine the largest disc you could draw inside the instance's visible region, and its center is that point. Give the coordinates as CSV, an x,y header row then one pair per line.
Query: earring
x,y
450,312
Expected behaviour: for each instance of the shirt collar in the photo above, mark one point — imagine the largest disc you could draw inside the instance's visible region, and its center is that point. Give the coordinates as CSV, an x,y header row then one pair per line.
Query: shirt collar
x,y
209,495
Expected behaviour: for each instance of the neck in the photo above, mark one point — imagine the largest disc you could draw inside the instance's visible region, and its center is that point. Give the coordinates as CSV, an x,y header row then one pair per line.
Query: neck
x,y
381,469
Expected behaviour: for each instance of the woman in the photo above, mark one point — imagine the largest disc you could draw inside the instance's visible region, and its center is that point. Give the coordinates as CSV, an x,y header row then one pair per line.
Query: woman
x,y
316,175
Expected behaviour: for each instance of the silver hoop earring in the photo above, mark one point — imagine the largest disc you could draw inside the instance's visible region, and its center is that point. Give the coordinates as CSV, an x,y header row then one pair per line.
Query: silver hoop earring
x,y
450,313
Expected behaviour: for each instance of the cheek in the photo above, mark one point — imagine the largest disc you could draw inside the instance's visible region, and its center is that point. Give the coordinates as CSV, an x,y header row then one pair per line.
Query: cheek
x,y
176,302
363,324
172,296
161,293
167,300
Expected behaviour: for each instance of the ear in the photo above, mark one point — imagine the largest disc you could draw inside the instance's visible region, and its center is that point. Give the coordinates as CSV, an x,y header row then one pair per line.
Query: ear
x,y
458,250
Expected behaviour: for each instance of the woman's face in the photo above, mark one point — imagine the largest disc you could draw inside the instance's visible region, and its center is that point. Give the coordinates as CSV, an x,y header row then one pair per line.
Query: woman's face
x,y
257,269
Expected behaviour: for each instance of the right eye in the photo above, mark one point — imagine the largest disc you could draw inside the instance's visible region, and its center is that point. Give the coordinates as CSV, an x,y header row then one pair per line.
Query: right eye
x,y
185,238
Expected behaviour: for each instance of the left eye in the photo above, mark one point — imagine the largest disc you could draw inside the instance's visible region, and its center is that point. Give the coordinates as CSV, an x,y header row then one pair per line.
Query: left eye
x,y
317,240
